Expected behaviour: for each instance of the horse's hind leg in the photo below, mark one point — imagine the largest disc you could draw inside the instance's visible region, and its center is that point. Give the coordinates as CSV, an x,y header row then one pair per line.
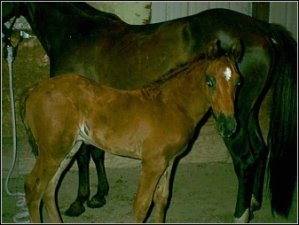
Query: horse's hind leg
x,y
150,175
161,195
244,165
257,193
261,153
264,121
83,159
249,154
98,200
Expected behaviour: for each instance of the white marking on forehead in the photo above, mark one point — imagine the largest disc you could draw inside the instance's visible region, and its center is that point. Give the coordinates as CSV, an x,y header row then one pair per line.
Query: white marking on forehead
x,y
227,73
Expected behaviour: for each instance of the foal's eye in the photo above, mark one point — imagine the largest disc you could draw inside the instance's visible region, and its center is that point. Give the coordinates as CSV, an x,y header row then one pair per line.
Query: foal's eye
x,y
210,82
239,82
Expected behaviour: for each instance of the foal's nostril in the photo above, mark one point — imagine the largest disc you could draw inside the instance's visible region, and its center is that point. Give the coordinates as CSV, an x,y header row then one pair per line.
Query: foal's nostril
x,y
226,125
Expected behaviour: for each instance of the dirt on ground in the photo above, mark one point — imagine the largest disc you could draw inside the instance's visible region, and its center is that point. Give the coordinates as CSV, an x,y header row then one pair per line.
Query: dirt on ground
x,y
201,193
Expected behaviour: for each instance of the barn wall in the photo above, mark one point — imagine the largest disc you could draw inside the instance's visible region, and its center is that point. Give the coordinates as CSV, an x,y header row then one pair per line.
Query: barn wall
x,y
131,12
286,14
162,11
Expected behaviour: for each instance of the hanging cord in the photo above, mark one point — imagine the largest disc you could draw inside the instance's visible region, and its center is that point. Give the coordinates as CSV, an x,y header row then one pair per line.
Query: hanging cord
x,y
23,215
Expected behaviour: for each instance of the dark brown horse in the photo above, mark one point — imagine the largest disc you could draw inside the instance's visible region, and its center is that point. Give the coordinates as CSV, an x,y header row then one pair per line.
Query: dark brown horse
x,y
153,124
100,46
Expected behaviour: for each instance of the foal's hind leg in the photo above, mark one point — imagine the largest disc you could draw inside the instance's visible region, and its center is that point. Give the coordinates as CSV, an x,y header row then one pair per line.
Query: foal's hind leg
x,y
98,200
161,195
36,184
49,196
34,189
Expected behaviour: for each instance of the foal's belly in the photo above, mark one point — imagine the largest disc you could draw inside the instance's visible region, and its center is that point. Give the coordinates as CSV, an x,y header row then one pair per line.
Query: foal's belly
x,y
138,135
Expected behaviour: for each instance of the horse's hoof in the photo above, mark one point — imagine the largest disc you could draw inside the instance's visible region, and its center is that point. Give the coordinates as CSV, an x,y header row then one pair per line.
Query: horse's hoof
x,y
96,202
255,204
75,209
244,218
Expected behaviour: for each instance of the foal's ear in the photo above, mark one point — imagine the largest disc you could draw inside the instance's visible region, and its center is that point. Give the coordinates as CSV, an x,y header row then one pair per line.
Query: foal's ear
x,y
236,50
213,49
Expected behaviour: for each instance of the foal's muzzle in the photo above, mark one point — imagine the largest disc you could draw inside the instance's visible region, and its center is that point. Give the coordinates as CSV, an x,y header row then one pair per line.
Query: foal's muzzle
x,y
226,125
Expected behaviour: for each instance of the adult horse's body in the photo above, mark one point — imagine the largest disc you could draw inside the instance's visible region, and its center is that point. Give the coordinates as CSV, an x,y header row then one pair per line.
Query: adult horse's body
x,y
100,46
153,124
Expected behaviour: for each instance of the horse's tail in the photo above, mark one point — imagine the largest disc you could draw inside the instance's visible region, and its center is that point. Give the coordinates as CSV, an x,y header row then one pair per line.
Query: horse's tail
x,y
283,126
22,103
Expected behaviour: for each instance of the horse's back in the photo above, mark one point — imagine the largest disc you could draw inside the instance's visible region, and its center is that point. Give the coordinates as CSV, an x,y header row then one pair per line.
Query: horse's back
x,y
104,54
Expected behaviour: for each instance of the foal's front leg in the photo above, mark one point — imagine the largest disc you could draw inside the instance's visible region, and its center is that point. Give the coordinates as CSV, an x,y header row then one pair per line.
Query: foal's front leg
x,y
150,175
161,195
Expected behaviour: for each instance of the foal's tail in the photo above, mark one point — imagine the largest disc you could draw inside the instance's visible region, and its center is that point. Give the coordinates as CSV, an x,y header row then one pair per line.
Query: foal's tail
x,y
22,103
283,126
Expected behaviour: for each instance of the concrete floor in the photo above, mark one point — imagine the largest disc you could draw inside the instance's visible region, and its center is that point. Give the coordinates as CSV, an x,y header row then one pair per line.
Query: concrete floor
x,y
202,193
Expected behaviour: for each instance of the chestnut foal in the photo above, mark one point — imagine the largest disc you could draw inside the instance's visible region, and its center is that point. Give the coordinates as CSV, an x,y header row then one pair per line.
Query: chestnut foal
x,y
153,124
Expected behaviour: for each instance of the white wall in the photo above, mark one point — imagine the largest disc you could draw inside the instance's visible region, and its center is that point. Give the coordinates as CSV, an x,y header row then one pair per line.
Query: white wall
x,y
283,13
286,14
130,12
162,11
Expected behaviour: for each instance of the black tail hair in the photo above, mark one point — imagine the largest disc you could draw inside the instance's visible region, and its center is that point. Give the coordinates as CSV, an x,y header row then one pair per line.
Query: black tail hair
x,y
282,168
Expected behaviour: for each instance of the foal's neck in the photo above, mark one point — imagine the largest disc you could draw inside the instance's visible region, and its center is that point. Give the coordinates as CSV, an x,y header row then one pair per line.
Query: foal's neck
x,y
187,91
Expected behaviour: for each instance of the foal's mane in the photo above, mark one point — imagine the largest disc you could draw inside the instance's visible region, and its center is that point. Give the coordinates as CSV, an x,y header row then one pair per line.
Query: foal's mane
x,y
173,73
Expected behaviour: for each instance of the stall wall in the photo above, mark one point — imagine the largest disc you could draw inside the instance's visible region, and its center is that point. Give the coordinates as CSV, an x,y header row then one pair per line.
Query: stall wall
x,y
162,11
283,13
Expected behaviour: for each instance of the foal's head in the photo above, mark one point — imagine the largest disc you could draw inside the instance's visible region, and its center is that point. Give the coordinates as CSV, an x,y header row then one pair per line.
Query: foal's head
x,y
222,79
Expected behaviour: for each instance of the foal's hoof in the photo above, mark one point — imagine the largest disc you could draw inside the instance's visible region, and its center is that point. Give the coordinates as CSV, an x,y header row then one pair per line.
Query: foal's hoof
x,y
96,202
75,209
